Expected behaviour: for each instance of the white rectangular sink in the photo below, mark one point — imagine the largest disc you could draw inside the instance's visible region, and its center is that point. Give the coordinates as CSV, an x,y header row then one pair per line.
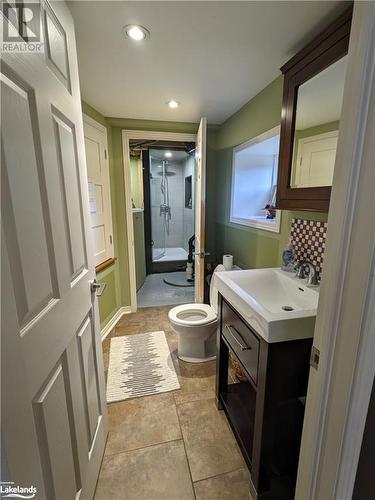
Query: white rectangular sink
x,y
276,304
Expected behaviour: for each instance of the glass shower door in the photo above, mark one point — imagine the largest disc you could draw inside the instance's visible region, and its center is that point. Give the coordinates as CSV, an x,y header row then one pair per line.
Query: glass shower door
x,y
158,233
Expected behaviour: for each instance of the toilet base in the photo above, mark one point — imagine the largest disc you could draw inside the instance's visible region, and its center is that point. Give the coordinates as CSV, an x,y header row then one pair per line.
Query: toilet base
x,y
196,344
189,359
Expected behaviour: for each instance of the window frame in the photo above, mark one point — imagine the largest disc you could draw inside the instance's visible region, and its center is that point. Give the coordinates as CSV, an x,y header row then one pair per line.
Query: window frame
x,y
256,222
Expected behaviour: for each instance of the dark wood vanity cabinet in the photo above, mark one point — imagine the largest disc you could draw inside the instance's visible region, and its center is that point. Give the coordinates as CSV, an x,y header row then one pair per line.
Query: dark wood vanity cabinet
x,y
265,406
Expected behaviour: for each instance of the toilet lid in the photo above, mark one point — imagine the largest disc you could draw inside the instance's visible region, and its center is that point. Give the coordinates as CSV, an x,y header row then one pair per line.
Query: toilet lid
x,y
192,315
214,295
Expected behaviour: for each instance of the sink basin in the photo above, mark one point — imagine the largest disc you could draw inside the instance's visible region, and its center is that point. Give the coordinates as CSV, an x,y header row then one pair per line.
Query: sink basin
x,y
276,304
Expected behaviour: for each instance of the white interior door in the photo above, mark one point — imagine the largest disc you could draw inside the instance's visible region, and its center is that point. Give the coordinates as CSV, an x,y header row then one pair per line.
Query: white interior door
x,y
99,189
200,209
54,421
316,159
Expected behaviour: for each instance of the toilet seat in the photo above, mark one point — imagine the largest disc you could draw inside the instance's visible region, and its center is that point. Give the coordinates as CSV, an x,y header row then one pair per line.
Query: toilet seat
x,y
192,315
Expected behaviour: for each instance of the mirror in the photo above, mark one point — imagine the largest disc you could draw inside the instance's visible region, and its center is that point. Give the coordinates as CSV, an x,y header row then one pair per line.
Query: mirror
x,y
314,82
318,112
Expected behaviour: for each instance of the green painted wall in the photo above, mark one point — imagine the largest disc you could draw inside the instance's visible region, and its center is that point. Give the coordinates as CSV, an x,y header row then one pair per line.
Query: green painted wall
x,y
154,125
135,188
251,248
318,129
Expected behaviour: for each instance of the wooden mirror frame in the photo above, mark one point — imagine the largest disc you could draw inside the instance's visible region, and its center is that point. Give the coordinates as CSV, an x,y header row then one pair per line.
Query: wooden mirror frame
x,y
327,48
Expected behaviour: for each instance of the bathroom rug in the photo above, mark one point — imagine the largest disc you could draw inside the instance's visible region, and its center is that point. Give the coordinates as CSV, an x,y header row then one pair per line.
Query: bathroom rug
x,y
140,365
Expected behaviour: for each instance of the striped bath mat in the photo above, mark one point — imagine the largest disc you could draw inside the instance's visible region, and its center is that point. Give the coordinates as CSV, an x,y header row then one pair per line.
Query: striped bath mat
x,y
140,365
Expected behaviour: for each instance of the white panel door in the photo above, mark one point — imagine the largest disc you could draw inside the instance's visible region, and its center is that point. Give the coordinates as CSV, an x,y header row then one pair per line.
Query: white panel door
x,y
200,209
99,189
316,159
54,421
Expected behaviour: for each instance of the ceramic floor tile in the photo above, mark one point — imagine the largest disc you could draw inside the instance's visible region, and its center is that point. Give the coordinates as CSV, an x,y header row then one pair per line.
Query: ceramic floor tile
x,y
141,422
155,473
197,380
230,486
210,445
147,319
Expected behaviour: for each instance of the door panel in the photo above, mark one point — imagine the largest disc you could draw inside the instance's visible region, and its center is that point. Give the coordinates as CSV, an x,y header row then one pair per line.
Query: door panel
x,y
87,361
22,184
200,209
51,413
99,189
56,46
66,155
54,419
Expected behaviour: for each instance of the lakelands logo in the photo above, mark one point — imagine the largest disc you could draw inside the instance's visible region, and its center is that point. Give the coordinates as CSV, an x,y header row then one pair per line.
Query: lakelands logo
x,y
10,490
21,27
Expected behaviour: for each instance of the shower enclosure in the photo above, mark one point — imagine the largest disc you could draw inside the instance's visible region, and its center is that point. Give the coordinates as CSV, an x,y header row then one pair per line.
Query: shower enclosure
x,y
171,213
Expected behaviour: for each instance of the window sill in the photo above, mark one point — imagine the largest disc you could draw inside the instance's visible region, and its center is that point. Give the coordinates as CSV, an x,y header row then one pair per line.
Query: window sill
x,y
105,264
257,222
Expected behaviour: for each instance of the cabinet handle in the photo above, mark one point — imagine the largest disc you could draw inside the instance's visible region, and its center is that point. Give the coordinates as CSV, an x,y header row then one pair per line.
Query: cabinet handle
x,y
240,341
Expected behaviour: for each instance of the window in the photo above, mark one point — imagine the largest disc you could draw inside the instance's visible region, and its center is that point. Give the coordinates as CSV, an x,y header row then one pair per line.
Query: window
x,y
254,180
99,190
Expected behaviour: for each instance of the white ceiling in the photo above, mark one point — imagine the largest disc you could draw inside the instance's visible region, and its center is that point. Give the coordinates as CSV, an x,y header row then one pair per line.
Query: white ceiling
x,y
320,98
210,56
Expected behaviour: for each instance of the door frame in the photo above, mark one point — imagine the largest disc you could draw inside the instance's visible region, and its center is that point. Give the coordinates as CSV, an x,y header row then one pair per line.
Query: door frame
x,y
127,135
339,391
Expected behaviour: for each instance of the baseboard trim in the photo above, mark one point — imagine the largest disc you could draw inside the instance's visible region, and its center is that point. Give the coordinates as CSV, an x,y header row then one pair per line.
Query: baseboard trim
x,y
114,320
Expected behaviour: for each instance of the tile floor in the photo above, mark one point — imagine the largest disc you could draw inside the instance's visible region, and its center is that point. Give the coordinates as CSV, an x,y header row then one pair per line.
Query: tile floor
x,y
175,445
155,292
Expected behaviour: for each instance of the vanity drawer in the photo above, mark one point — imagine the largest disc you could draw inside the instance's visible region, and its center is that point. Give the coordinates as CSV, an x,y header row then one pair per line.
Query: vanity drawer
x,y
241,340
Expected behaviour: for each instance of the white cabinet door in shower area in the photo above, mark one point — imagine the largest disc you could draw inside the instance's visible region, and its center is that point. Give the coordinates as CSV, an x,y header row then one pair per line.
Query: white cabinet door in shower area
x,y
200,209
54,421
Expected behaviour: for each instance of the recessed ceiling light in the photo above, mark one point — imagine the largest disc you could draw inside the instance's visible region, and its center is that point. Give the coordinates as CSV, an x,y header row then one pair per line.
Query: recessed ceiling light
x,y
136,32
168,154
173,104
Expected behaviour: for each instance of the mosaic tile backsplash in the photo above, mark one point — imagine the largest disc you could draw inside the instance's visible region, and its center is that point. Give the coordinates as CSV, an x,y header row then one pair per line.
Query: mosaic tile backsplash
x,y
308,238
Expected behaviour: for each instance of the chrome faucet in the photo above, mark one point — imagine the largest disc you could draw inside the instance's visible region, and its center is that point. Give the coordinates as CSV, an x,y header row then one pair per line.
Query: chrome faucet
x,y
312,278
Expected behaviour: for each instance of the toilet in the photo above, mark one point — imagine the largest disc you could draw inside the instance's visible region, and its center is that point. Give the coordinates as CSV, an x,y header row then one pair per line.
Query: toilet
x,y
195,325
